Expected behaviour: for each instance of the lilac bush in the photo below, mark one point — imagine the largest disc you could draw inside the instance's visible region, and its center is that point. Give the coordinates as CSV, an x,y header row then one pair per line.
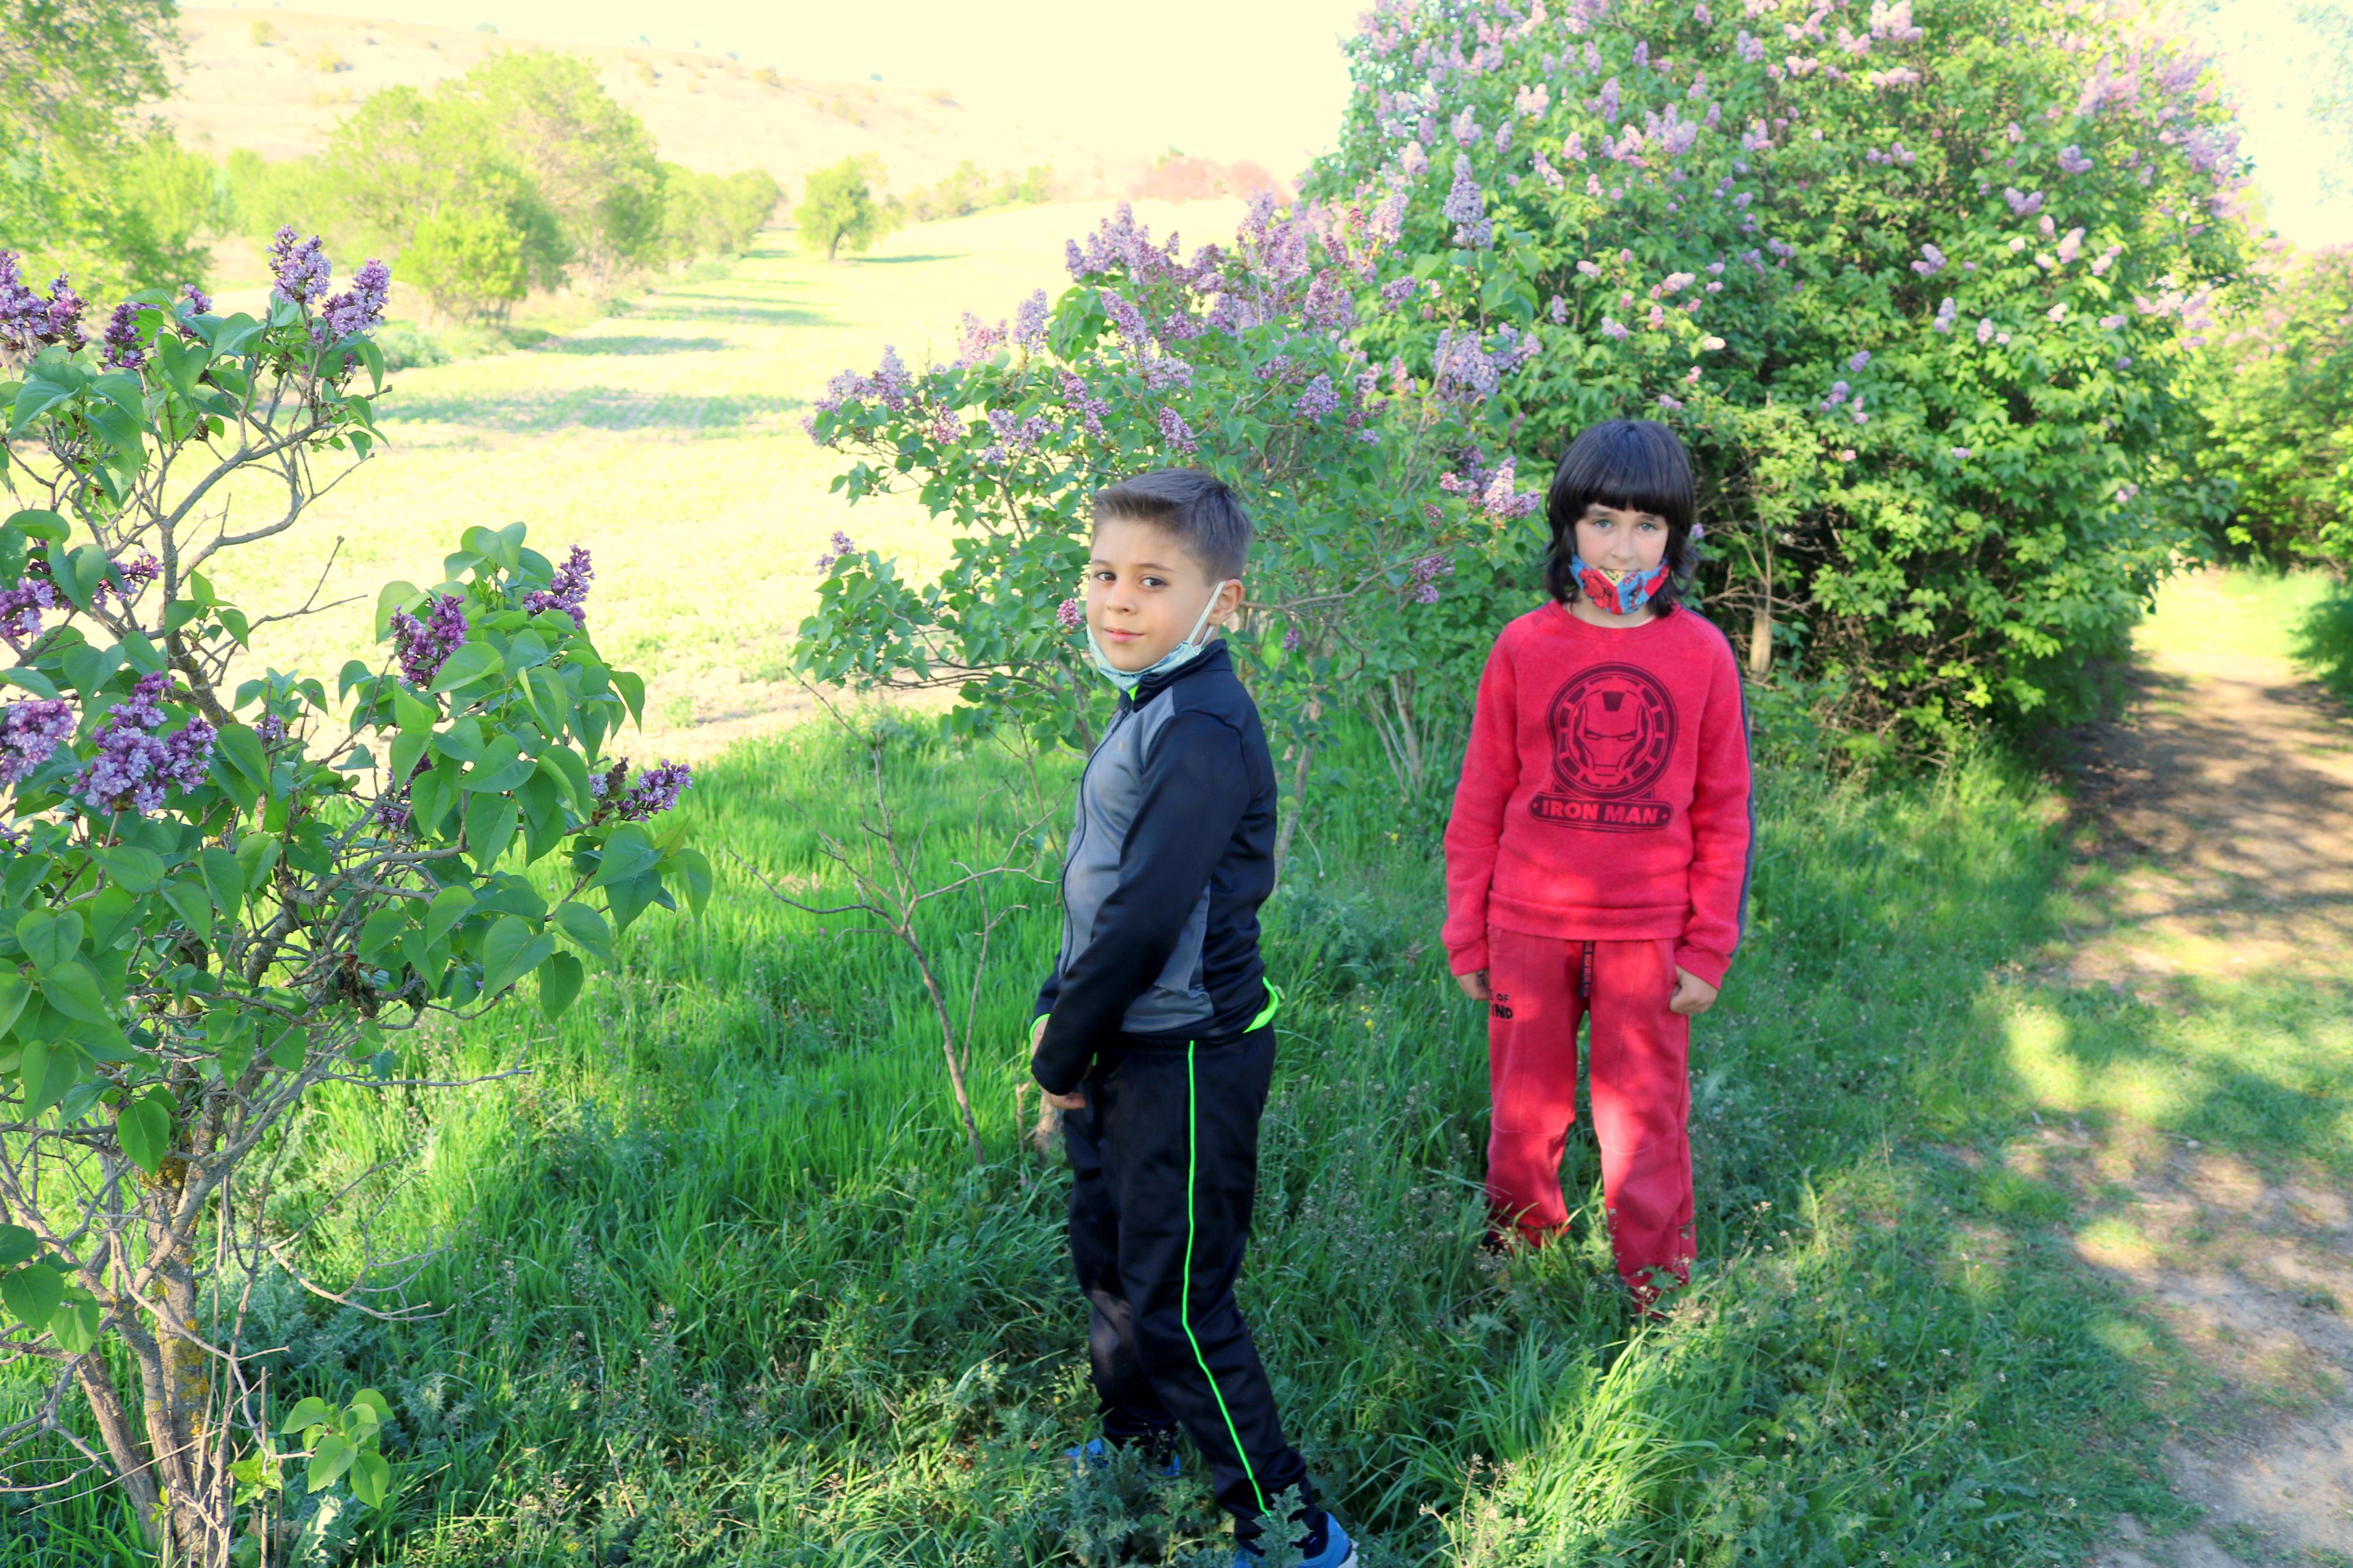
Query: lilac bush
x,y
1726,216
1242,359
222,894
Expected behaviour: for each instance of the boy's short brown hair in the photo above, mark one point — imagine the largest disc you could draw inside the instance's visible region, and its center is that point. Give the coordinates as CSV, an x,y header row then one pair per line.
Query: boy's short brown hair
x,y
1200,509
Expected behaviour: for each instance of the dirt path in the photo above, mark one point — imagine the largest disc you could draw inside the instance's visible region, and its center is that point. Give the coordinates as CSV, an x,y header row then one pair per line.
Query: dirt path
x,y
2223,805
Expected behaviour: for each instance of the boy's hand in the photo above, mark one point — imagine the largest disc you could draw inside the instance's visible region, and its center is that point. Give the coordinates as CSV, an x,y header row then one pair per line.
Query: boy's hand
x,y
1075,1100
1475,985
1692,996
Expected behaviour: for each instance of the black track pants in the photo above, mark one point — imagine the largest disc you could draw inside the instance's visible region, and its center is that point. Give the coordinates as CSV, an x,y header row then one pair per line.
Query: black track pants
x,y
1164,1164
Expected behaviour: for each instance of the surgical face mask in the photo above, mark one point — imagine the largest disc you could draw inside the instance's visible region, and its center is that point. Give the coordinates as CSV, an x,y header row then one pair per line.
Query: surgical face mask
x,y
1176,657
1618,592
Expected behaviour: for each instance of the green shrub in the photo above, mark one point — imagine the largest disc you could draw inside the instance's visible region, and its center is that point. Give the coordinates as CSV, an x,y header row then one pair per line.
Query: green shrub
x,y
2277,391
411,348
2324,641
471,261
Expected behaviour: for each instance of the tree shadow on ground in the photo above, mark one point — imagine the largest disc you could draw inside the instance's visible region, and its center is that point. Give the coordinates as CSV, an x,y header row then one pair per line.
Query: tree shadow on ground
x,y
542,410
690,308
632,346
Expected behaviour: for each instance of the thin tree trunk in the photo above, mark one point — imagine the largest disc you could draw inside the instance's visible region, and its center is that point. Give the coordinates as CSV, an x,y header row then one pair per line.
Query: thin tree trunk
x,y
1289,824
114,1430
1760,640
948,1048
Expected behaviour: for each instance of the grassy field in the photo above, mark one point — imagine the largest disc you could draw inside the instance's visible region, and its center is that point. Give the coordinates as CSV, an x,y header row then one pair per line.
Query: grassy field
x,y
668,440
722,1285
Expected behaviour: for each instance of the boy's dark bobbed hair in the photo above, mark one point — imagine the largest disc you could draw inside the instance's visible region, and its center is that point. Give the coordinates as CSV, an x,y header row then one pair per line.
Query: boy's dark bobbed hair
x,y
1634,464
1204,514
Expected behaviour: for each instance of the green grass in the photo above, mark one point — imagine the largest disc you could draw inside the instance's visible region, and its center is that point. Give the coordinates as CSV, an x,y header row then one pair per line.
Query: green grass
x,y
724,1287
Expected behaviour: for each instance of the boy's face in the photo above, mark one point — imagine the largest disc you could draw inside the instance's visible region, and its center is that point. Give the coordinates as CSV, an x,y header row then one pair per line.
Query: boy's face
x,y
1144,592
1620,541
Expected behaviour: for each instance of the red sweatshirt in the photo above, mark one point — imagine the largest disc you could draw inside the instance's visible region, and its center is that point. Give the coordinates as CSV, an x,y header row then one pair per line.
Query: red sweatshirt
x,y
1605,792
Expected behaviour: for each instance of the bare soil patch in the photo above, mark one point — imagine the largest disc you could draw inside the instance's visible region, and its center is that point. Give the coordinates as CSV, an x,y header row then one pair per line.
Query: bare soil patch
x,y
2222,811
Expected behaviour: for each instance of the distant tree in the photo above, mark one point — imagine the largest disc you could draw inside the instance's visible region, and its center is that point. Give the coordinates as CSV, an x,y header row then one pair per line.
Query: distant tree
x,y
840,208
591,158
529,141
713,214
74,77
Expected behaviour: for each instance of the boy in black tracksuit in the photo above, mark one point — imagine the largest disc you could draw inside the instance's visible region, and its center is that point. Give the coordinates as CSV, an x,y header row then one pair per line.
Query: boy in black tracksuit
x,y
1154,1031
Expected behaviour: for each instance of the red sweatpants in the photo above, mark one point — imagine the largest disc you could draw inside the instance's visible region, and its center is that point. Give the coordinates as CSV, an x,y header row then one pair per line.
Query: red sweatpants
x,y
1640,1084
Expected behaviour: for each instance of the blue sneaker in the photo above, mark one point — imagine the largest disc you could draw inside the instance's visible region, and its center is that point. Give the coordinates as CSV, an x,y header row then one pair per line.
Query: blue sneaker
x,y
1339,1551
1098,1454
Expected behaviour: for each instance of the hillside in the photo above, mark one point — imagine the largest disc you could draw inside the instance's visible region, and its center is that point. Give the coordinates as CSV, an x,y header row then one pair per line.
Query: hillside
x,y
282,97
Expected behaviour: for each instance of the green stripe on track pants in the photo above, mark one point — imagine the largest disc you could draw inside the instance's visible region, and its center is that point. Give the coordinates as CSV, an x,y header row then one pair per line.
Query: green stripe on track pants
x,y
1165,1166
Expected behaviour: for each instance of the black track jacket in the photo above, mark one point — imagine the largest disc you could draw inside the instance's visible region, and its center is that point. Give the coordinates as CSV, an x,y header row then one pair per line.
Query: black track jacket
x,y
1171,855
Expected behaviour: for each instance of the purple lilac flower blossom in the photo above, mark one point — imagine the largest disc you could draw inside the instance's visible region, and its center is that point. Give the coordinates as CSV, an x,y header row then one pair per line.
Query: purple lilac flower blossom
x,y
1944,313
30,732
1466,209
361,307
1175,432
1931,262
1318,402
2072,160
568,591
199,303
656,791
122,349
130,576
133,766
1030,321
1860,357
425,646
2070,246
842,547
1423,575
29,322
299,268
1069,613
21,607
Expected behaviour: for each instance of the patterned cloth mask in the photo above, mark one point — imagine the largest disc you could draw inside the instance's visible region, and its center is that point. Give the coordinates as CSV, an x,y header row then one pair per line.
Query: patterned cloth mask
x,y
1617,592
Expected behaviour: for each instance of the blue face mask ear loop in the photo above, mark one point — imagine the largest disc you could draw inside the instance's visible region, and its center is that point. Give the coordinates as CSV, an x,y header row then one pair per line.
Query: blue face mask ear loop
x,y
1182,654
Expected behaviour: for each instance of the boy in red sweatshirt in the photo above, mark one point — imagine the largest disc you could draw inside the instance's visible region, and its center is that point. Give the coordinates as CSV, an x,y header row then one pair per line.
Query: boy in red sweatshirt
x,y
1597,864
